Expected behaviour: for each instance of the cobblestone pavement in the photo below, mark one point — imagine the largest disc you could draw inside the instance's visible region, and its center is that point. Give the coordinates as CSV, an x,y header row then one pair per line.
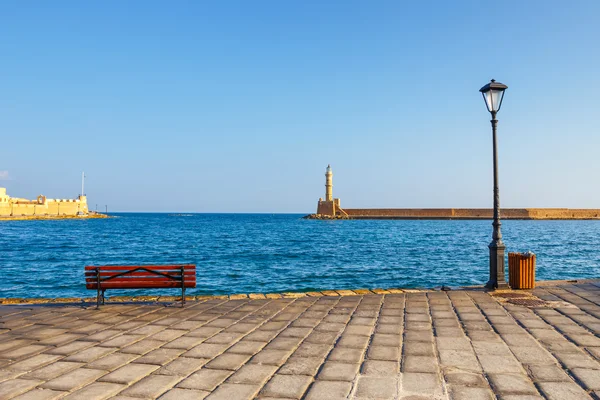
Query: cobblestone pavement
x,y
462,344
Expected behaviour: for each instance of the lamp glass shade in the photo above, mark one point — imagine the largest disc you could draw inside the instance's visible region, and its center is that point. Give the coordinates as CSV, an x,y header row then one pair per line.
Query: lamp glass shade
x,y
493,93
493,99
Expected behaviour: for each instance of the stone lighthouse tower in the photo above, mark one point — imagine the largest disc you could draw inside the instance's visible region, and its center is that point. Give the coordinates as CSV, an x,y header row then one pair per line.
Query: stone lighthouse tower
x,y
329,206
328,184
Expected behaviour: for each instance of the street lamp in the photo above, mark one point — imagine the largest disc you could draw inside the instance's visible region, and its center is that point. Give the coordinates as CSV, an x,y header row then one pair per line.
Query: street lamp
x,y
493,93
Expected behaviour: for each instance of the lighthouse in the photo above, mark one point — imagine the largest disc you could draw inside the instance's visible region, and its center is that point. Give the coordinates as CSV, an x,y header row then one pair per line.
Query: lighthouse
x,y
328,184
329,207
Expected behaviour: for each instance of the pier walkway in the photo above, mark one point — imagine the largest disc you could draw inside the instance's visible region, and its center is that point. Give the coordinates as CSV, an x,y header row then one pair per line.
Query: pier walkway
x,y
460,344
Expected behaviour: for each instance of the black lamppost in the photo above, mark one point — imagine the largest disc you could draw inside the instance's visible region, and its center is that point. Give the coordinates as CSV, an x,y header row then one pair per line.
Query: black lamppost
x,y
493,93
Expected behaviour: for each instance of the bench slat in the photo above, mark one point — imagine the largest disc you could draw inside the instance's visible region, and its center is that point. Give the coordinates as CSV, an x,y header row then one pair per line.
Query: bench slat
x,y
142,280
140,285
140,273
131,267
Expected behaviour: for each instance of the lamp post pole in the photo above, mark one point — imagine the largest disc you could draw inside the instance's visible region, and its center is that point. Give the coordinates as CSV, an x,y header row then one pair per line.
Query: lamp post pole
x,y
497,247
493,94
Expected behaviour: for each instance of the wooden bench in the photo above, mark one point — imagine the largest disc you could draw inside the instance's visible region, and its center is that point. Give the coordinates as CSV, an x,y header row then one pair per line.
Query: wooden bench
x,y
105,277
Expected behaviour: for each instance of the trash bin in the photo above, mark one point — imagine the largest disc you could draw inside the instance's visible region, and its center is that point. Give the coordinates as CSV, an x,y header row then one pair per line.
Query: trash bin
x,y
521,270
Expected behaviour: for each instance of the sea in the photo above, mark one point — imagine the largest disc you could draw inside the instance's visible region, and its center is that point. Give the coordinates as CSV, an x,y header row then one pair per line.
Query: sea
x,y
264,253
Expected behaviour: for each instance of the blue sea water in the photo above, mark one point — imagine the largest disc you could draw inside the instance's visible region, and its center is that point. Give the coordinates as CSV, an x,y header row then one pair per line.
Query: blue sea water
x,y
245,253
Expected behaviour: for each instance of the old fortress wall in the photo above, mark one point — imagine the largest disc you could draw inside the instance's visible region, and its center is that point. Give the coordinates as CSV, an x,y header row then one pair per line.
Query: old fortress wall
x,y
330,208
16,207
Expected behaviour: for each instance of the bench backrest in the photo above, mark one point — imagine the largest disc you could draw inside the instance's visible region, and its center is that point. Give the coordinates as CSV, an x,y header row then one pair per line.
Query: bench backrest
x,y
140,276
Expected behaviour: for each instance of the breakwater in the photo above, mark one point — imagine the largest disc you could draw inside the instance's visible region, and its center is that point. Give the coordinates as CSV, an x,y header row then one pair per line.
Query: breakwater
x,y
460,213
330,208
91,215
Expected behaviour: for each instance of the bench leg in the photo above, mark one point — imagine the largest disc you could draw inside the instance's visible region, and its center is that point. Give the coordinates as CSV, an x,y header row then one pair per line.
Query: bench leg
x,y
182,286
98,285
103,290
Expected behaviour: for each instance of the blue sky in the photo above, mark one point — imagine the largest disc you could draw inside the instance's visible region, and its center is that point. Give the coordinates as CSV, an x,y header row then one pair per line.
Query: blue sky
x,y
239,106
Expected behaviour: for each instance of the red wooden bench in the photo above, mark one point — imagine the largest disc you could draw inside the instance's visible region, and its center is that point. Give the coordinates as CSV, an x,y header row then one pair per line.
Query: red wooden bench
x,y
105,277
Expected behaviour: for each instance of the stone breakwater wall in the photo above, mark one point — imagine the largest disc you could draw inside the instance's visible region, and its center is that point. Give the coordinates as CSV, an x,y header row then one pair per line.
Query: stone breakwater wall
x,y
91,215
466,213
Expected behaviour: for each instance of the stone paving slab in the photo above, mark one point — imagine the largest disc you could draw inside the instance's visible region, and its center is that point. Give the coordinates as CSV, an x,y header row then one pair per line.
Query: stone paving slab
x,y
361,344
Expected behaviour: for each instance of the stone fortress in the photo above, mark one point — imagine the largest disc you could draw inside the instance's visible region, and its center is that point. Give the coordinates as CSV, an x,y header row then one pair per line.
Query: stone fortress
x,y
12,207
330,208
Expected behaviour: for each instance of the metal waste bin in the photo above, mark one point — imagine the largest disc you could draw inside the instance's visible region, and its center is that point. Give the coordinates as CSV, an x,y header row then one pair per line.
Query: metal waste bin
x,y
521,270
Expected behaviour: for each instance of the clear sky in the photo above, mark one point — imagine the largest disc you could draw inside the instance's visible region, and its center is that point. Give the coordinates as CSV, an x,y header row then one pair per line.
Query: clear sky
x,y
221,106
